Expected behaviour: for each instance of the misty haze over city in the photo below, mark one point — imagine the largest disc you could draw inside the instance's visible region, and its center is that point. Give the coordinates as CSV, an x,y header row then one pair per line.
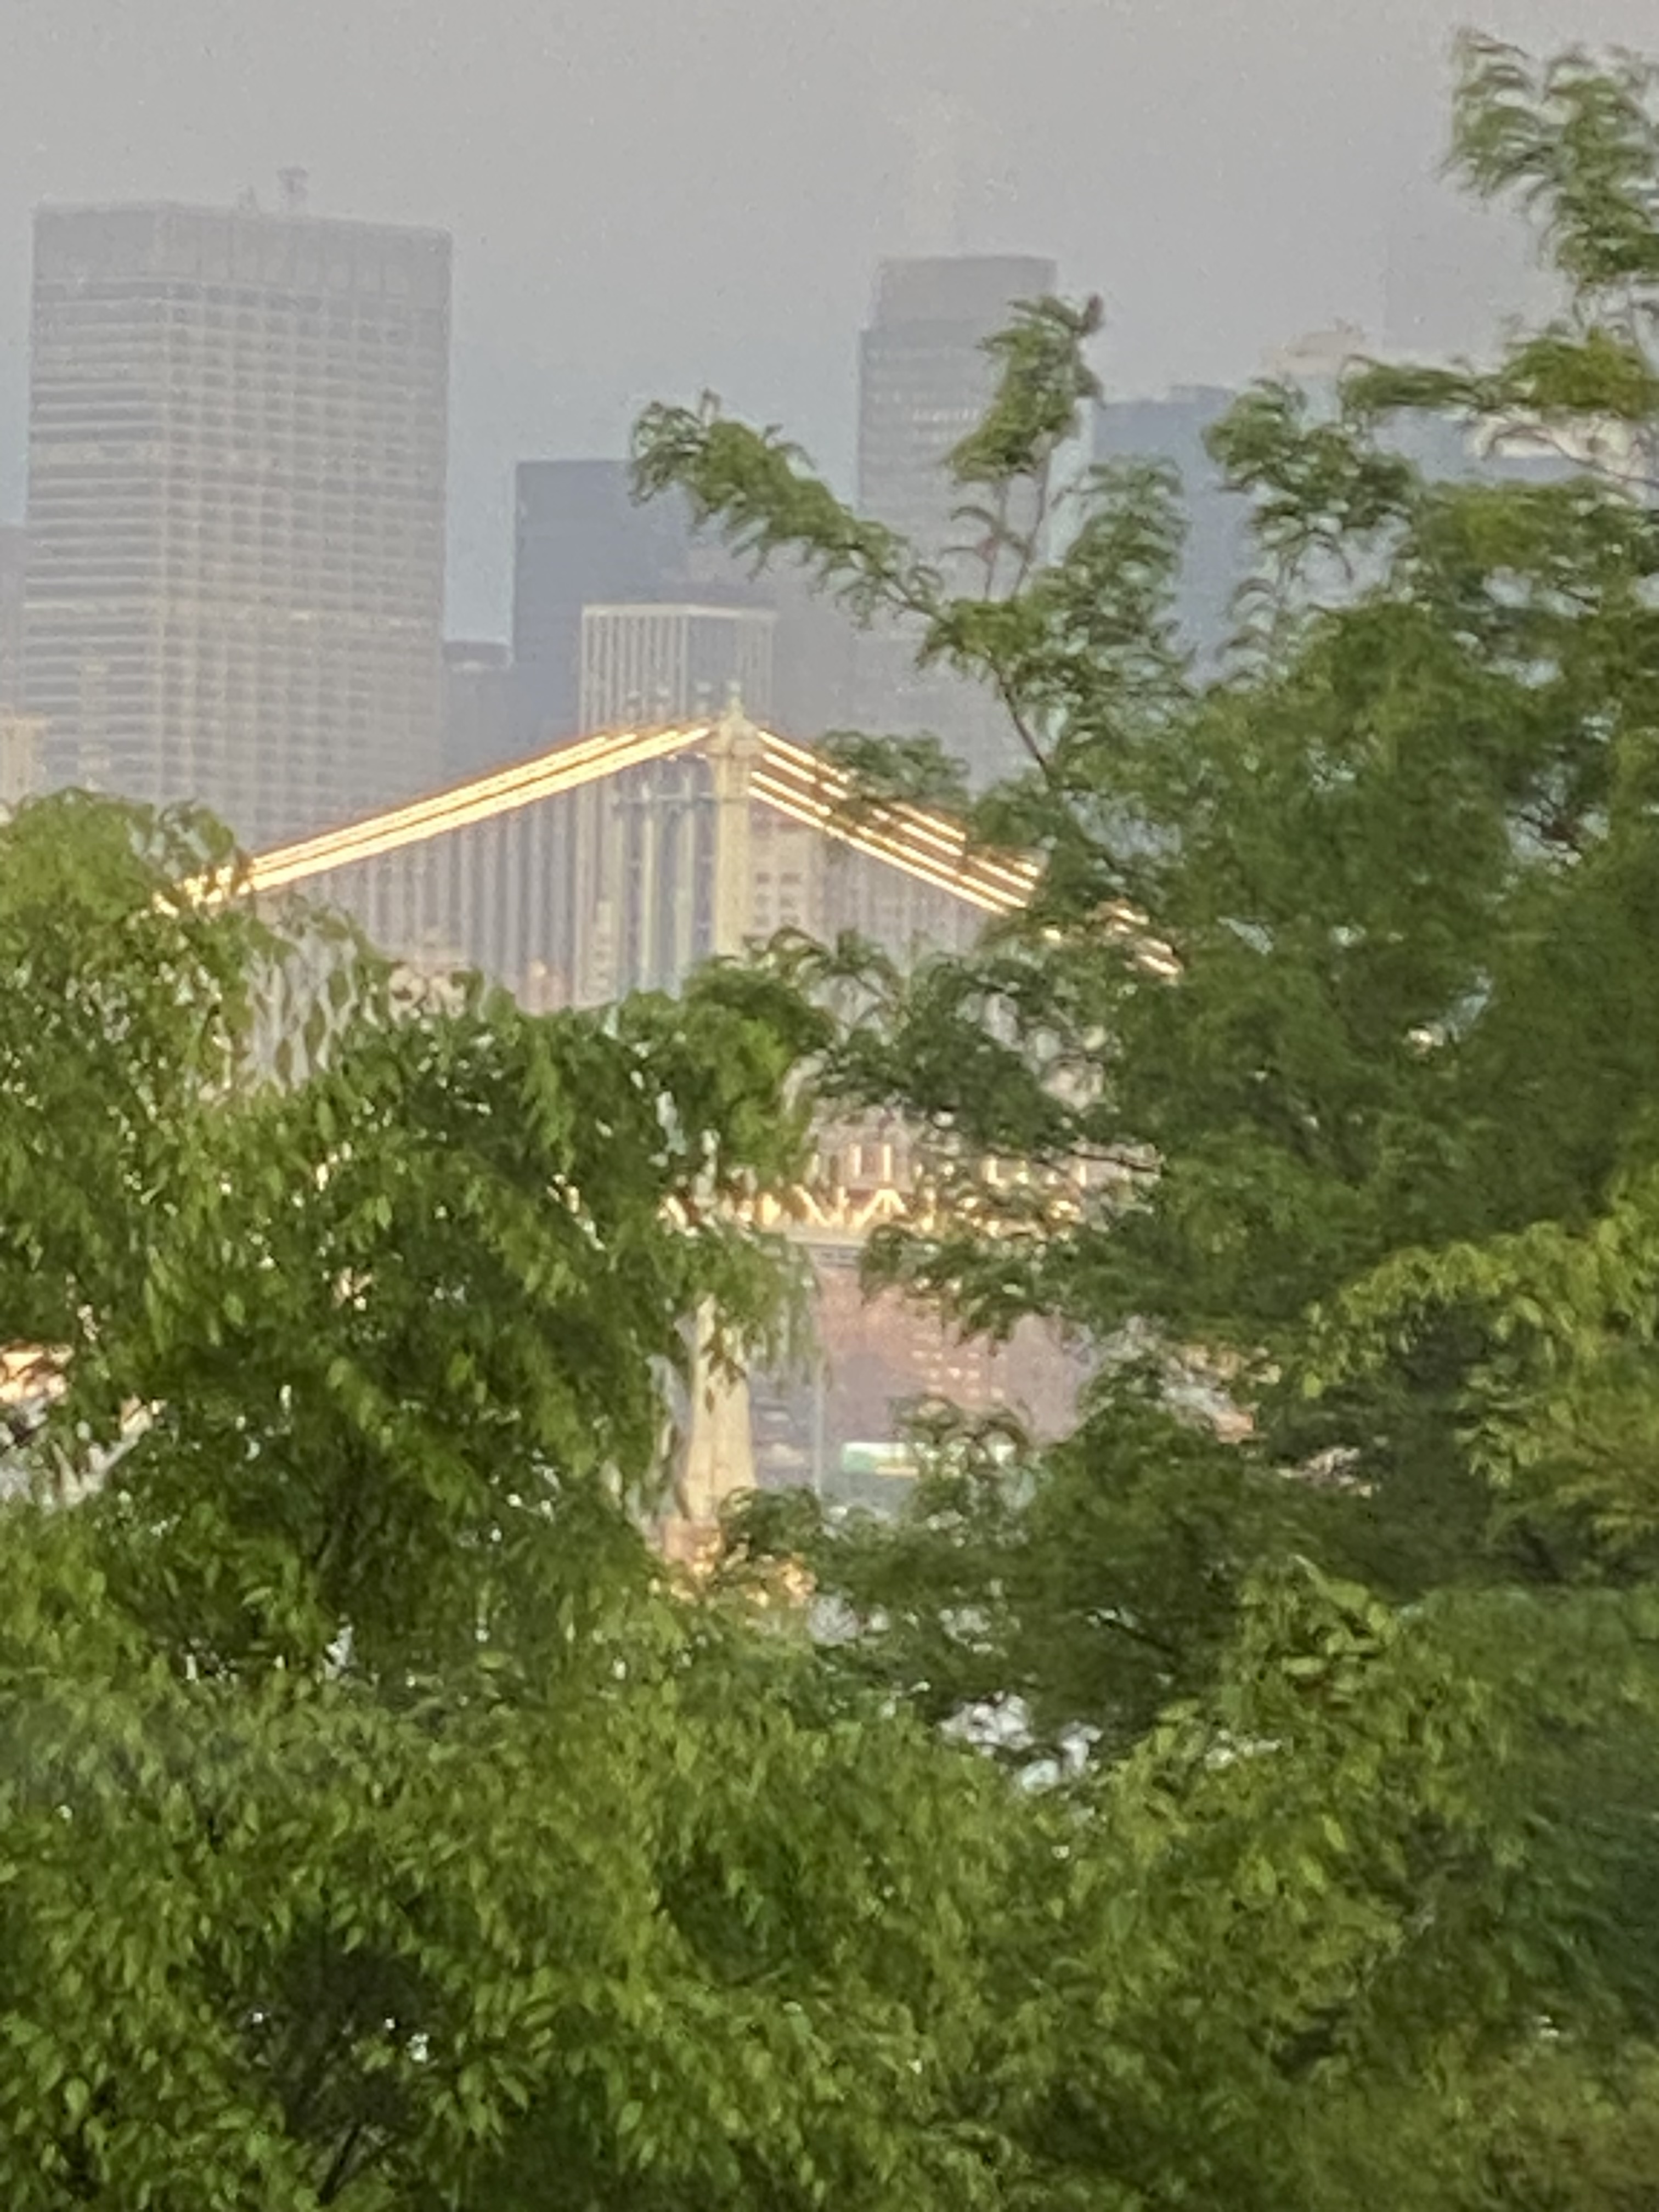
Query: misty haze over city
x,y
648,200
829,1106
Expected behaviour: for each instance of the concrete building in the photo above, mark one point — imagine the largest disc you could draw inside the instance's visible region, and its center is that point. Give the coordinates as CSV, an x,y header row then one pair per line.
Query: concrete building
x,y
924,381
1216,554
21,737
668,663
14,571
483,715
580,540
814,640
238,442
1219,553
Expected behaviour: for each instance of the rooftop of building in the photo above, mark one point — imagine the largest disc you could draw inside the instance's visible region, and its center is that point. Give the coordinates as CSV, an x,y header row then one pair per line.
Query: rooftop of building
x,y
965,288
289,249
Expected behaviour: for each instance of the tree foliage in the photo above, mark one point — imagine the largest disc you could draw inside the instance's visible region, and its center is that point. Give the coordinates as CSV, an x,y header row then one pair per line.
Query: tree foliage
x,y
377,1827
1339,986
381,1828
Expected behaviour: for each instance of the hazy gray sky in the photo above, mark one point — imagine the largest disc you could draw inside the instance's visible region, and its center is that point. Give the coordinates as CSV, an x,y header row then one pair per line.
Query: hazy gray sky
x,y
653,197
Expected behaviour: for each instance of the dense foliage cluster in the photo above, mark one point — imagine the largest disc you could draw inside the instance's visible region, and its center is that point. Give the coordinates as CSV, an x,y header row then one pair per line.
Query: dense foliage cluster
x,y
1349,1726
378,1829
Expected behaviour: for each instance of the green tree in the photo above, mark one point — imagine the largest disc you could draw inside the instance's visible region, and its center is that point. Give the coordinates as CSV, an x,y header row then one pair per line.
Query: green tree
x,y
378,1828
1340,982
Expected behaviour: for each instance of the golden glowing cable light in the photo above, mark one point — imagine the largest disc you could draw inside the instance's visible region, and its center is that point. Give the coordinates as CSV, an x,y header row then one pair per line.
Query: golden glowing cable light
x,y
931,846
483,798
789,777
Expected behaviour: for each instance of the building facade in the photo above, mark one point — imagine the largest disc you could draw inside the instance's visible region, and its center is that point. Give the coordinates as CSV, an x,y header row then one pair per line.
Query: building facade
x,y
238,447
484,718
925,379
1219,553
660,662
581,539
1171,428
21,747
924,382
13,572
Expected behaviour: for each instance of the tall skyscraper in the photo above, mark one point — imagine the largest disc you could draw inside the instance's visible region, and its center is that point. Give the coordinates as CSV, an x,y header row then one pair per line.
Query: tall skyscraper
x,y
1216,552
582,540
1219,553
483,716
924,381
14,571
238,443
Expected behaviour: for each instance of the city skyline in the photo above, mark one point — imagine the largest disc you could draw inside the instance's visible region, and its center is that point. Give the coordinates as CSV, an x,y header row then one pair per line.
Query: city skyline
x,y
199,502
589,284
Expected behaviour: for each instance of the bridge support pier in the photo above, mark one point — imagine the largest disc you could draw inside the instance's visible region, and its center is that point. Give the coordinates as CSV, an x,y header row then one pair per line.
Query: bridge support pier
x,y
718,1451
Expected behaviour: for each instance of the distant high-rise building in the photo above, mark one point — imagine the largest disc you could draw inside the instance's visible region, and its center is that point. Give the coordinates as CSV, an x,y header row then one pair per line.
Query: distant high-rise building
x,y
924,381
14,571
814,639
484,718
582,540
1216,552
663,662
238,441
20,757
1219,553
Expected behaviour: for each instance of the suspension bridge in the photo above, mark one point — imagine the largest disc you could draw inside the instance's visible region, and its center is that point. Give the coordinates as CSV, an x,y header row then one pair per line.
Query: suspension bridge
x,y
617,861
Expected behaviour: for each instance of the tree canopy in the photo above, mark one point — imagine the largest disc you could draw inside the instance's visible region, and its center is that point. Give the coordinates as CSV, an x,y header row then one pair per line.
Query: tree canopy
x,y
377,1827
1340,982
